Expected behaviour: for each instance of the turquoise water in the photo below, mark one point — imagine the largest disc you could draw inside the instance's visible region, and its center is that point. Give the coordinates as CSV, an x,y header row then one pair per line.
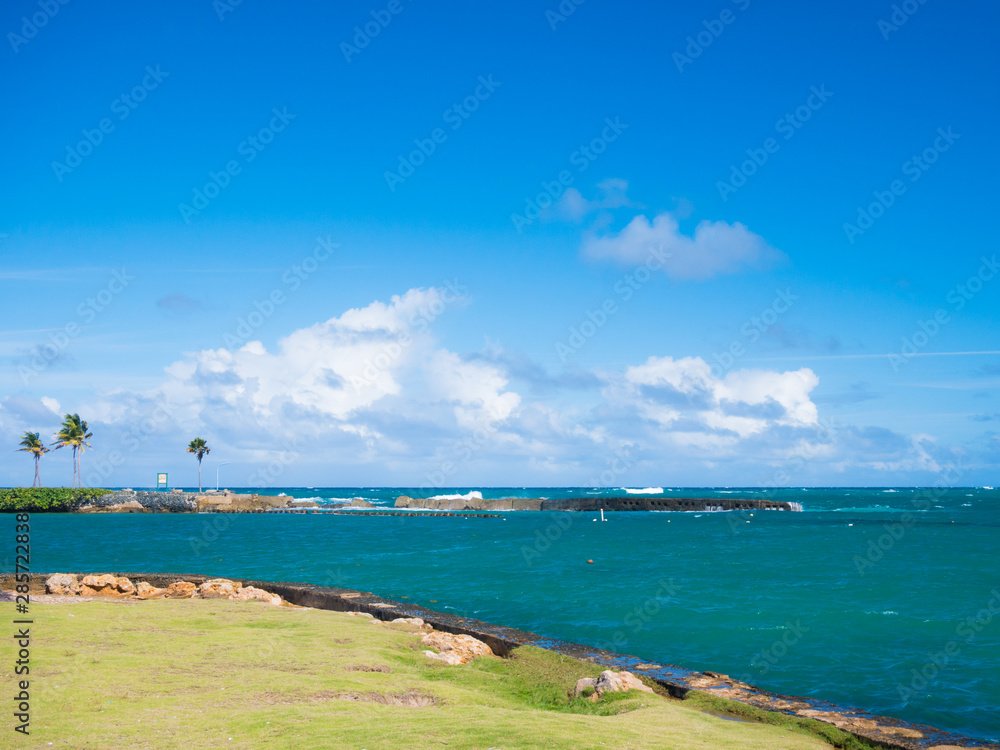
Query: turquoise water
x,y
799,603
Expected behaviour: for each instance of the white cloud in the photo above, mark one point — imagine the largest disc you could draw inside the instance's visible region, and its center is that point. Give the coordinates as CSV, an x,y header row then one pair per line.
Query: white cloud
x,y
715,248
701,410
370,396
612,193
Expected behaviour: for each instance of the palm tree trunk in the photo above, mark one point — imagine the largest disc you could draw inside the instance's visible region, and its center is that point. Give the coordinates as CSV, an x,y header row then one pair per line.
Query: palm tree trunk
x,y
76,467
38,480
199,474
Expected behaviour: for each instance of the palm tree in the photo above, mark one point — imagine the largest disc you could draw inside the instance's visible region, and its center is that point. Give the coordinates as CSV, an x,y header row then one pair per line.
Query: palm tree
x,y
32,443
199,448
73,432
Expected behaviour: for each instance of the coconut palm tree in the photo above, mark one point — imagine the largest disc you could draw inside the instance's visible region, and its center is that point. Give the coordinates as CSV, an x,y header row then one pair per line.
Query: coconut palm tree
x,y
32,443
74,433
199,448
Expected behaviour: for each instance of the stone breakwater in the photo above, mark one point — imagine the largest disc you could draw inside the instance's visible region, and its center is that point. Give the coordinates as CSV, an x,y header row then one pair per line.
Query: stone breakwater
x,y
595,504
144,501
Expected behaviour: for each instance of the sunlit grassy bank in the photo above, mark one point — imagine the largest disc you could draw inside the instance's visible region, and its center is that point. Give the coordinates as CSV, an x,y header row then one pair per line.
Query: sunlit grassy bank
x,y
210,673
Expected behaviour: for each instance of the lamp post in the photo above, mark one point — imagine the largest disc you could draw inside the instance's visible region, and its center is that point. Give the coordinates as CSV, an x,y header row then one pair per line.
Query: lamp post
x,y
224,463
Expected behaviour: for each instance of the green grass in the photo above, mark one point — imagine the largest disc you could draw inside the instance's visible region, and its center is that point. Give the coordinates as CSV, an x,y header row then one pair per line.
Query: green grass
x,y
195,673
835,737
46,499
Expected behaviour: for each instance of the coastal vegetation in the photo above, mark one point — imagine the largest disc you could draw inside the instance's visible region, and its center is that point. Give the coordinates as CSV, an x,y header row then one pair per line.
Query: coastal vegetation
x,y
31,443
74,433
46,499
199,448
236,674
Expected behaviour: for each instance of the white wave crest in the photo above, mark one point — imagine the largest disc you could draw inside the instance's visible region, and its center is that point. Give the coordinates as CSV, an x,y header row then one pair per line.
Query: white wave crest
x,y
474,495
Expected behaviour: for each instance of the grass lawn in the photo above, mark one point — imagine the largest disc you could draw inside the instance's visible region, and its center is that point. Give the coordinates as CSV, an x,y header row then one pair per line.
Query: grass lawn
x,y
224,674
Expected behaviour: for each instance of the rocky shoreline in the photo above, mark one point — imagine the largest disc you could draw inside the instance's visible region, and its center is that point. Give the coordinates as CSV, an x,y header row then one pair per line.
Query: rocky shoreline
x,y
881,731
148,501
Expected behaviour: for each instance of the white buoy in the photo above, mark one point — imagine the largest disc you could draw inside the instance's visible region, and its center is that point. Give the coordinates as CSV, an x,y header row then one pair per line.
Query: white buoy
x,y
602,515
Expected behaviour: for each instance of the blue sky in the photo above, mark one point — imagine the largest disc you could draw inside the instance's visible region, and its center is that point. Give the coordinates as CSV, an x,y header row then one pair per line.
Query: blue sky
x,y
323,249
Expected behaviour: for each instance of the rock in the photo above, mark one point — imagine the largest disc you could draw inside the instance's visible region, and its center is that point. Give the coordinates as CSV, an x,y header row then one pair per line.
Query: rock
x,y
106,585
583,684
146,591
359,502
182,590
405,501
455,649
610,682
414,622
448,657
219,588
62,584
252,594
361,614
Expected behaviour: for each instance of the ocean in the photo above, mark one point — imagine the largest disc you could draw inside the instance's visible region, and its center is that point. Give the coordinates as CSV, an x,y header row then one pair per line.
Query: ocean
x,y
884,599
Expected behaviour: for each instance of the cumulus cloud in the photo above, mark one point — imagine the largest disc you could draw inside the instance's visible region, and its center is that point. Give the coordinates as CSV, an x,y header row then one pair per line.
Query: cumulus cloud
x,y
612,193
714,248
370,395
692,407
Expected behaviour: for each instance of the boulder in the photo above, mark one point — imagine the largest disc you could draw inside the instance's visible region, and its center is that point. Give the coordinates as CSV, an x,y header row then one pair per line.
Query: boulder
x,y
454,649
405,501
62,584
252,594
219,588
146,591
106,585
610,682
583,684
359,502
182,590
